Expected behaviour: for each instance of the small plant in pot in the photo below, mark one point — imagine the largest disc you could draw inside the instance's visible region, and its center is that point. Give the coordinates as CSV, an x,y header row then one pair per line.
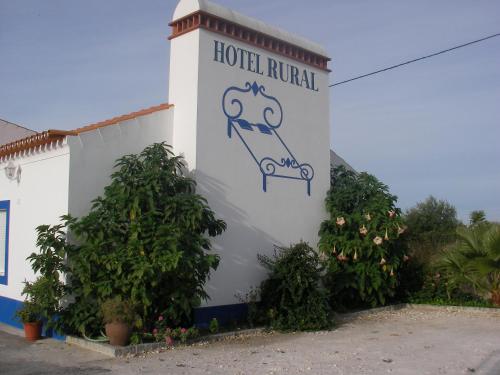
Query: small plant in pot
x,y
119,317
29,315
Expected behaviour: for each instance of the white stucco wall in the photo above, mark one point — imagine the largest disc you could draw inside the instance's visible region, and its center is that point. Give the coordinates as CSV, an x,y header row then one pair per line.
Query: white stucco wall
x,y
183,84
40,197
226,173
94,153
65,179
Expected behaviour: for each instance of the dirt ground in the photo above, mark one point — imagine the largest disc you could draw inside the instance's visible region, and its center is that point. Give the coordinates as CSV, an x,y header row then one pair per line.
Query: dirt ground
x,y
408,341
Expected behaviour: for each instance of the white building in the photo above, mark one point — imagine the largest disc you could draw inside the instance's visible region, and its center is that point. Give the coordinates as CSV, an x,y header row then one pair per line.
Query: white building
x,y
249,110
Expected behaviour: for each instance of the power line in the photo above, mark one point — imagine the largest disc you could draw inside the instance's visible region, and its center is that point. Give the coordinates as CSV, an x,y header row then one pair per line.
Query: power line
x,y
414,60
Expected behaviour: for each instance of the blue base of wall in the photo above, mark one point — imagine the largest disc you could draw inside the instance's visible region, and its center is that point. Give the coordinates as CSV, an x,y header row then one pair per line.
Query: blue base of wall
x,y
8,308
225,314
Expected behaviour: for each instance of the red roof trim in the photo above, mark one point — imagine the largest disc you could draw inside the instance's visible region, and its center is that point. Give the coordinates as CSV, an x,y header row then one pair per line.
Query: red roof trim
x,y
51,136
204,20
130,116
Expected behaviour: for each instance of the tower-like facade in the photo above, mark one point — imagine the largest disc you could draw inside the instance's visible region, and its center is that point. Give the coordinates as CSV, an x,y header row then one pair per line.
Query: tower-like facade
x,y
251,117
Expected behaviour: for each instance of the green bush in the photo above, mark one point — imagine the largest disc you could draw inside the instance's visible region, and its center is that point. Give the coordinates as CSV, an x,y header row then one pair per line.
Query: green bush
x,y
146,239
432,226
29,313
42,294
47,291
411,277
213,326
473,263
361,240
437,291
292,298
116,310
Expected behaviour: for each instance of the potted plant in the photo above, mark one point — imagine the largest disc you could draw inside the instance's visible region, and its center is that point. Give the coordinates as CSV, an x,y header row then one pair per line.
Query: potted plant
x,y
29,315
119,317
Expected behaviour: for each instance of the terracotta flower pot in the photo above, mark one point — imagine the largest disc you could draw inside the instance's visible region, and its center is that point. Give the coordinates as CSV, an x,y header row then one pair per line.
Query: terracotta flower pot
x,y
118,333
33,331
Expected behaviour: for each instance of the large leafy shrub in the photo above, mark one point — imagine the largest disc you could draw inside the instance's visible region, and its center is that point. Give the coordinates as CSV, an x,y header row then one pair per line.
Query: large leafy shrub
x,y
432,226
361,240
473,264
145,240
292,298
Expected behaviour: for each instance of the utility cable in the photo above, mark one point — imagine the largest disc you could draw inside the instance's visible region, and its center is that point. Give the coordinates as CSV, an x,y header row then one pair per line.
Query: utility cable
x,y
415,60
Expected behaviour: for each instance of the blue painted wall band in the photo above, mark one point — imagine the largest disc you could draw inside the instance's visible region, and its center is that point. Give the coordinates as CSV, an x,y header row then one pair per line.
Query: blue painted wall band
x,y
8,308
225,314
5,206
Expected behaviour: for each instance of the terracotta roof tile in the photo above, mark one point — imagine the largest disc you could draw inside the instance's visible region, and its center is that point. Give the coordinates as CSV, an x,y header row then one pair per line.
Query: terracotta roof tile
x,y
32,141
130,116
50,136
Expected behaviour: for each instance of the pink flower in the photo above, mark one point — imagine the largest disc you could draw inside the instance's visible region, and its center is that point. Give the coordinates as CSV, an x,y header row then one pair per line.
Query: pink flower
x,y
155,331
341,257
169,340
363,230
340,221
183,330
391,213
160,318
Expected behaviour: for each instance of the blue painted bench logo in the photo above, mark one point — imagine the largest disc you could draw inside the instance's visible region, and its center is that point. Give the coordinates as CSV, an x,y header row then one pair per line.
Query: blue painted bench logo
x,y
285,165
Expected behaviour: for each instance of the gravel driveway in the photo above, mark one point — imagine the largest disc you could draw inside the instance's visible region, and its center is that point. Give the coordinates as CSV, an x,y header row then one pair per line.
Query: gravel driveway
x,y
407,341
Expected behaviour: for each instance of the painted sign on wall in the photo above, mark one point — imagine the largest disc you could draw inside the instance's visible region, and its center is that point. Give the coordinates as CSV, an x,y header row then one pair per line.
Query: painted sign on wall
x,y
283,163
254,62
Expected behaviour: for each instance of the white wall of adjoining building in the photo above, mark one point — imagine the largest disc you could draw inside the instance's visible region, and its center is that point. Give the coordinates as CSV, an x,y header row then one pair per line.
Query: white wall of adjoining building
x,y
231,180
63,179
40,197
10,132
94,153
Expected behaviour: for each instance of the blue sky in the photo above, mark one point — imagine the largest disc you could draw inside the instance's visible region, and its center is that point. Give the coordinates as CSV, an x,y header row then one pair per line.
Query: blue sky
x,y
432,127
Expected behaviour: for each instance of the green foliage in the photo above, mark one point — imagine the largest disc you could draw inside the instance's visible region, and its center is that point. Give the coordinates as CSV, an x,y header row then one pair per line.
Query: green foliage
x,y
411,278
468,301
145,240
431,227
213,326
116,310
48,289
477,217
292,297
251,300
361,240
45,296
437,291
29,313
163,332
474,262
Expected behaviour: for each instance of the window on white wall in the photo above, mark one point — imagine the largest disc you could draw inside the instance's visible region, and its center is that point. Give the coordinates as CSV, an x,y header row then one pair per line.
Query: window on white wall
x,y
4,240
